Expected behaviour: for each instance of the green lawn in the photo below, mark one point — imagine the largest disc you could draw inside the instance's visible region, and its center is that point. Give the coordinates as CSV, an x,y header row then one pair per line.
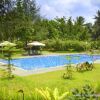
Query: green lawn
x,y
54,79
51,80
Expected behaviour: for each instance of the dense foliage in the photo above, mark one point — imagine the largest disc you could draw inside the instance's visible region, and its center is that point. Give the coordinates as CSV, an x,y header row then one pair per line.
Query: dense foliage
x,y
21,22
69,45
16,19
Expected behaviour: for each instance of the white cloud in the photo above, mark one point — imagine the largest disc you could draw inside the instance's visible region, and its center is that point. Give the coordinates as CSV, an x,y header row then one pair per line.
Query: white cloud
x,y
51,12
52,8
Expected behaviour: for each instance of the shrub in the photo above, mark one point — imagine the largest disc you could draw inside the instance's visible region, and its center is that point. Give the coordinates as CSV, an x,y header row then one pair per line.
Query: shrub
x,y
20,44
68,74
54,44
85,66
48,94
95,45
86,93
63,45
78,45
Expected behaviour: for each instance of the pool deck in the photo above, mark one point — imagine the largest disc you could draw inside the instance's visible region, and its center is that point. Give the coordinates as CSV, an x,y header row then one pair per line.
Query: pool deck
x,y
44,55
22,72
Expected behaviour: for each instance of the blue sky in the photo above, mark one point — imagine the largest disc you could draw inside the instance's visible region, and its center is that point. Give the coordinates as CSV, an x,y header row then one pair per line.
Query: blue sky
x,y
59,8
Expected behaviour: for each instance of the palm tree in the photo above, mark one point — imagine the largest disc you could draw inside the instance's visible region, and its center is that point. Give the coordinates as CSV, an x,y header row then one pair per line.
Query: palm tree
x,y
96,34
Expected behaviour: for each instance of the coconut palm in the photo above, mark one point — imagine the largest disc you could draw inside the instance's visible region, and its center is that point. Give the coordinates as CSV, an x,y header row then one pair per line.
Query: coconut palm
x,y
97,26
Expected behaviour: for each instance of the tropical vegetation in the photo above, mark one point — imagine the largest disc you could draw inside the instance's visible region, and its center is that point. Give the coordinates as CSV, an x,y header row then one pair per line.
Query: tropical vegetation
x,y
21,22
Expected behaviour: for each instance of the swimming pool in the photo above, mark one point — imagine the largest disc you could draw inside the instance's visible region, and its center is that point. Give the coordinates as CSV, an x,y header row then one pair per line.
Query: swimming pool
x,y
38,62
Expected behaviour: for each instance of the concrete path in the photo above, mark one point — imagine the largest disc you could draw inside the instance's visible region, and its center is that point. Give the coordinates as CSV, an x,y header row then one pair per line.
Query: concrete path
x,y
21,72
97,61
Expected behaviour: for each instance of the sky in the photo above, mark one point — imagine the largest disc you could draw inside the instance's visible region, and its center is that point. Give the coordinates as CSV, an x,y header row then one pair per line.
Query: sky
x,y
51,9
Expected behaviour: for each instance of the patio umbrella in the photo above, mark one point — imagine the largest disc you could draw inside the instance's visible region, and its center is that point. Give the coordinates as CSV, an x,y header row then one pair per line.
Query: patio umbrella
x,y
35,43
7,43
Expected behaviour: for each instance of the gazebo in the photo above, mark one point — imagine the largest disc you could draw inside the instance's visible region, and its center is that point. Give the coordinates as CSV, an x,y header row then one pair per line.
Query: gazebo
x,y
35,47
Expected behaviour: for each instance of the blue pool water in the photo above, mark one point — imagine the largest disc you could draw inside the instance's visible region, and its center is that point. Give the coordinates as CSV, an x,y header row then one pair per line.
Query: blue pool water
x,y
34,63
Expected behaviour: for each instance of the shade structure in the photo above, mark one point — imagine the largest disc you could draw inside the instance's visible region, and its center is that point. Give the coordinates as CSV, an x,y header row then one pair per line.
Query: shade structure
x,y
7,43
35,43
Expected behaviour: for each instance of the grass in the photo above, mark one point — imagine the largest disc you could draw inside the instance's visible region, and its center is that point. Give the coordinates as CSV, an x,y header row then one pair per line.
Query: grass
x,y
9,88
59,52
54,79
51,80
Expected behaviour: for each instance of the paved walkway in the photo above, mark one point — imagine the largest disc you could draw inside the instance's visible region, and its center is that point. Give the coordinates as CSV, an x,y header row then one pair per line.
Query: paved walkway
x,y
22,72
97,61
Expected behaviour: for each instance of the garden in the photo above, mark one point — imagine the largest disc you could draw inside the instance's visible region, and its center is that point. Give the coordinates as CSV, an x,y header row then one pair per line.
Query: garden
x,y
20,24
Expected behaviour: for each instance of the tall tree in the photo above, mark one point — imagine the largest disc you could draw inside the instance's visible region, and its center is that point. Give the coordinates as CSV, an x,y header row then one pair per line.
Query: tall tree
x,y
70,28
80,30
96,34
5,8
17,18
27,14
